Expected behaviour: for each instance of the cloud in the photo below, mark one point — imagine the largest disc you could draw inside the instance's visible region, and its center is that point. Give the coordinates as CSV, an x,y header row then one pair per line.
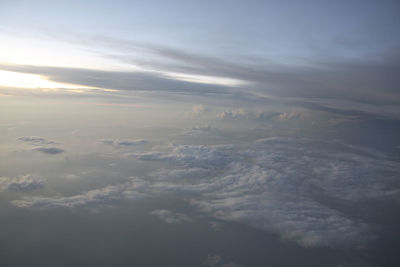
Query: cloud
x,y
202,131
23,183
119,80
198,110
188,174
273,185
40,144
212,260
117,142
171,217
190,156
92,198
35,140
289,116
49,150
278,185
335,78
326,79
317,85
235,114
242,114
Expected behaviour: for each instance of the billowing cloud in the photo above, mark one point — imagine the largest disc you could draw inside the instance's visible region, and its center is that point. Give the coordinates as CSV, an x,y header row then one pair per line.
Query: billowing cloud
x,y
198,110
171,217
234,114
190,156
92,198
243,114
275,184
20,184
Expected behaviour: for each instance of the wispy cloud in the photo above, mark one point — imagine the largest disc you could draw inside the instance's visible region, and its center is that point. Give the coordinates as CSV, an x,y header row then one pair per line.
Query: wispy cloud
x,y
49,150
171,217
92,198
41,144
118,80
20,184
36,140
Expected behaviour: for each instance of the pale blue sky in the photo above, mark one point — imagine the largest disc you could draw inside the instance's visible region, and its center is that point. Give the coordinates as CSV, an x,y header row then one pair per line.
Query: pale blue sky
x,y
286,31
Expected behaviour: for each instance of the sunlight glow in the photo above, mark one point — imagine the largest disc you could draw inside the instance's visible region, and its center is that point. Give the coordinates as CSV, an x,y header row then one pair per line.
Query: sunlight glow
x,y
204,79
22,80
26,50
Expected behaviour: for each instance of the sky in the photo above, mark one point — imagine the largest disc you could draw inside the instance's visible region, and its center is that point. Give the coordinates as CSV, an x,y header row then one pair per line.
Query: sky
x,y
199,133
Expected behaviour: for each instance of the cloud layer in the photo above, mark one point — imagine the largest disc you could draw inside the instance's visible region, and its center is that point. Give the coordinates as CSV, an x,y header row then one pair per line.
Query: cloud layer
x,y
274,184
369,84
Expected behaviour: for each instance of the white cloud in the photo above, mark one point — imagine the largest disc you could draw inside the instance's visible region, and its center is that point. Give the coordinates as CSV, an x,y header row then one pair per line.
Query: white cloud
x,y
171,217
272,184
117,142
181,175
285,116
191,156
235,114
197,110
262,115
202,131
21,184
36,140
101,196
40,144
